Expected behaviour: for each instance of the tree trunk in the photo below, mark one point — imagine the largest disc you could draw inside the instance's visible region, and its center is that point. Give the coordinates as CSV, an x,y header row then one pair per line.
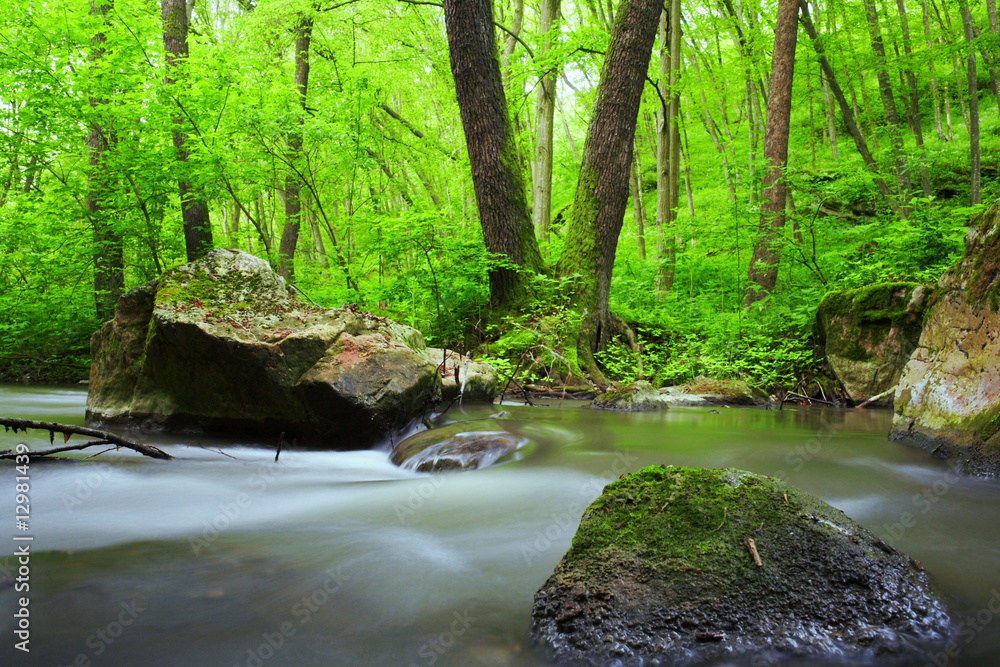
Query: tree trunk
x,y
935,101
913,109
638,207
976,184
497,178
293,181
194,207
109,253
598,209
544,118
888,104
762,274
991,13
845,109
665,255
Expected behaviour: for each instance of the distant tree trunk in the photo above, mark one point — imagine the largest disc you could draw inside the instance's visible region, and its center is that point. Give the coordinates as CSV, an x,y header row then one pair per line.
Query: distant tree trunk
x,y
544,119
991,13
888,105
976,185
638,206
598,209
109,253
935,101
293,181
831,121
913,109
762,274
497,178
845,109
668,147
194,207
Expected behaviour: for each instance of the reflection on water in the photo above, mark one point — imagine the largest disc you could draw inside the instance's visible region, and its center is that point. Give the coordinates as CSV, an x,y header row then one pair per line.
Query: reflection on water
x,y
224,557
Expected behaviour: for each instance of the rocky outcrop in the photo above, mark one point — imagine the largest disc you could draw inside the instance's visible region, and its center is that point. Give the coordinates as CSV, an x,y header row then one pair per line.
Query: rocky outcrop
x,y
221,345
868,334
704,391
636,397
687,565
949,393
466,445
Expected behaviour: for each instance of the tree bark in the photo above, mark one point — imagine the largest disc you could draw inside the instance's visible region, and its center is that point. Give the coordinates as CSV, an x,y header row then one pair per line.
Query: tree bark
x,y
762,274
497,178
935,98
544,121
109,252
602,190
293,181
976,180
194,207
913,109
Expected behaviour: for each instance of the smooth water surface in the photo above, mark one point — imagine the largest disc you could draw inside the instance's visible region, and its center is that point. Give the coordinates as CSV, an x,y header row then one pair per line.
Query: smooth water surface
x,y
224,557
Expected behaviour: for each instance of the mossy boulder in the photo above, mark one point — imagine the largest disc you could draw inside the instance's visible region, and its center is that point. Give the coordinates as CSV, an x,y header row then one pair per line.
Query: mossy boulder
x,y
662,570
460,446
636,397
705,391
222,345
949,392
868,334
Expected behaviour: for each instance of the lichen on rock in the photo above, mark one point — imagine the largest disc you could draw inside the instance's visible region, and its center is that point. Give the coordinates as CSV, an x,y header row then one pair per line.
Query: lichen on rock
x,y
662,569
222,345
949,392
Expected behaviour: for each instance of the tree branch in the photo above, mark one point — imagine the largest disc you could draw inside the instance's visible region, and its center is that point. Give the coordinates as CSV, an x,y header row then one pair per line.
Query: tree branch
x,y
67,430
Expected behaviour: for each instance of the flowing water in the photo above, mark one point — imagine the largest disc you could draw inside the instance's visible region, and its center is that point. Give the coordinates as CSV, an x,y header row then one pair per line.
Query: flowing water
x,y
224,557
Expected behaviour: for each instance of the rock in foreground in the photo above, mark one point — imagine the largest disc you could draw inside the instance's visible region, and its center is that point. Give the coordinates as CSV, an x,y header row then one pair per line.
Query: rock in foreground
x,y
662,568
949,393
221,345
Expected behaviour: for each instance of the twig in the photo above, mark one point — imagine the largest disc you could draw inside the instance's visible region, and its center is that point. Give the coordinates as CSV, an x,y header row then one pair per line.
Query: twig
x,y
281,441
875,398
752,546
228,317
299,290
725,511
66,429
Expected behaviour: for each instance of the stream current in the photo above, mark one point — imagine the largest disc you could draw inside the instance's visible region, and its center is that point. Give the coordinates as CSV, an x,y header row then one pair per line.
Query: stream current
x,y
224,557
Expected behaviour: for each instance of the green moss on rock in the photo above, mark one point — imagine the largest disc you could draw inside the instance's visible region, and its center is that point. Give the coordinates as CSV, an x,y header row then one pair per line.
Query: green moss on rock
x,y
661,568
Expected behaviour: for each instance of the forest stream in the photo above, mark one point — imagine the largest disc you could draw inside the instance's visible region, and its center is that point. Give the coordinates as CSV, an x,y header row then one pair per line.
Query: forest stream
x,y
341,558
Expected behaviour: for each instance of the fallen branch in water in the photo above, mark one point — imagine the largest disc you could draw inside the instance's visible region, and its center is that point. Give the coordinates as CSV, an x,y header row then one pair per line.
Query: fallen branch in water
x,y
875,398
104,438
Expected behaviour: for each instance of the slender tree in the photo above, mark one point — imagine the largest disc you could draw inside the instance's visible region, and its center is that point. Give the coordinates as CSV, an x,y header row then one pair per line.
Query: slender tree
x,y
194,207
973,92
544,121
109,251
762,274
497,177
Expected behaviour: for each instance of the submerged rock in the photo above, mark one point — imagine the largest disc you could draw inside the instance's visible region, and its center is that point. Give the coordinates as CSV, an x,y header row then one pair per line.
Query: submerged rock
x,y
868,334
222,345
949,393
688,565
461,446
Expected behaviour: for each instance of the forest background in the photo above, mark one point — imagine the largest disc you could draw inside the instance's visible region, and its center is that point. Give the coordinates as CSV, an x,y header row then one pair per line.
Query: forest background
x,y
326,137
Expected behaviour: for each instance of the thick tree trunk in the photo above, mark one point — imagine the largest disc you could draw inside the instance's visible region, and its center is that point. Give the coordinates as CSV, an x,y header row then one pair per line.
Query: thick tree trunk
x,y
293,181
602,190
845,109
109,253
762,274
544,120
976,184
194,207
497,177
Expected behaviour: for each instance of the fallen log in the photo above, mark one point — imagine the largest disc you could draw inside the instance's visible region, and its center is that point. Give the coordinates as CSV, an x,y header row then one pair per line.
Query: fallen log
x,y
103,438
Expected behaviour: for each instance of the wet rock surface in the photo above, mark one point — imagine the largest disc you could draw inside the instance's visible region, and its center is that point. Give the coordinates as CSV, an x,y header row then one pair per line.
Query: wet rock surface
x,y
636,397
949,392
222,345
678,566
469,445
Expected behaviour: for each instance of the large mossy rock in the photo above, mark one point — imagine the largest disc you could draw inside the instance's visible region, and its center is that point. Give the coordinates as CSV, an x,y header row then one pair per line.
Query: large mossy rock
x,y
222,345
949,392
661,572
867,335
636,397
